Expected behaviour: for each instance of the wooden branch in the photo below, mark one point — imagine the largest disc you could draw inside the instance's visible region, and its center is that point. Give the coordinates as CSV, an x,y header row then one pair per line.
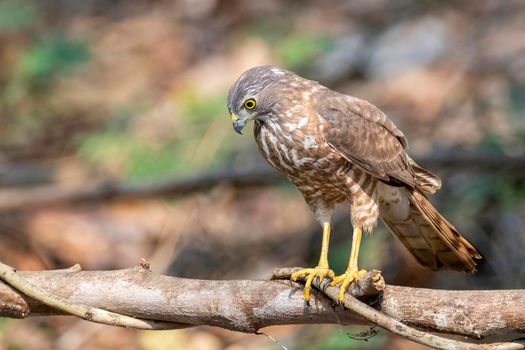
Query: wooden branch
x,y
247,306
371,282
17,199
89,313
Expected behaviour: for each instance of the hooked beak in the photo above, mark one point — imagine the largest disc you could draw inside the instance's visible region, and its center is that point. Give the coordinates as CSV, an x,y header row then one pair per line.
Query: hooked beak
x,y
238,124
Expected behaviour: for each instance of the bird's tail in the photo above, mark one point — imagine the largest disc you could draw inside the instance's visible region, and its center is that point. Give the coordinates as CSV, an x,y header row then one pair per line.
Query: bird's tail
x,y
431,239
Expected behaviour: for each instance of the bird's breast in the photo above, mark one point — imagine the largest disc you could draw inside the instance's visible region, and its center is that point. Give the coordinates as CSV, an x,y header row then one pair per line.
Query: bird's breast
x,y
297,148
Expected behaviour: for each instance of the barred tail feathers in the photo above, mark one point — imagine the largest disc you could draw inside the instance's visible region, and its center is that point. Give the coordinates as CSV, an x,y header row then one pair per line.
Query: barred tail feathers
x,y
432,240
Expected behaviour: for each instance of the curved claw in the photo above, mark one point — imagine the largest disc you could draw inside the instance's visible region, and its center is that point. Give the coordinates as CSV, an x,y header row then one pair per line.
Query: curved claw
x,y
346,279
310,275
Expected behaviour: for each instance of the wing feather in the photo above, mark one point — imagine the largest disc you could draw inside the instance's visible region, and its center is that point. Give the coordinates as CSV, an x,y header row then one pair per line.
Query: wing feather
x,y
364,135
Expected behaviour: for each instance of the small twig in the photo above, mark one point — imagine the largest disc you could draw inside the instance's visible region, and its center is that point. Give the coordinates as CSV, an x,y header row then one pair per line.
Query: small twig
x,y
394,326
9,275
74,268
364,335
143,263
272,339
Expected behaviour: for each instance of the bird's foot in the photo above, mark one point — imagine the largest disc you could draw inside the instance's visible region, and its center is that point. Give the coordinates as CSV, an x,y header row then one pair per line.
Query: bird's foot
x,y
310,274
346,279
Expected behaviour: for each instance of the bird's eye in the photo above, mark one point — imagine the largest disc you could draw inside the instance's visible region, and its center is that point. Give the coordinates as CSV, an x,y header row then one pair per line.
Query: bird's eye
x,y
250,103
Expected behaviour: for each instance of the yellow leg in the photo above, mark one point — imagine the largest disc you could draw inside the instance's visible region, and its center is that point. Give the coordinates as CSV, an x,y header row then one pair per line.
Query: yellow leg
x,y
352,273
322,269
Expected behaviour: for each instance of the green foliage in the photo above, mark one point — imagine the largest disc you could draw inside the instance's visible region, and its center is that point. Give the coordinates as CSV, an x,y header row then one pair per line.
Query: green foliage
x,y
298,51
134,158
517,98
3,323
15,347
339,256
492,143
106,146
24,94
15,15
157,163
201,109
487,190
204,142
499,188
51,56
371,252
38,66
510,193
208,138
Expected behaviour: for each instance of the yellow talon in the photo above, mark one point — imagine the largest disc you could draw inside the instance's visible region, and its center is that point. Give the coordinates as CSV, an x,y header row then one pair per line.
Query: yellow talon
x,y
346,279
310,275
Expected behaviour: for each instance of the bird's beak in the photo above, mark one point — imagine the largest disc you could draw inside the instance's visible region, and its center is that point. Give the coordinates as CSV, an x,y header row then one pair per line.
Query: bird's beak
x,y
238,124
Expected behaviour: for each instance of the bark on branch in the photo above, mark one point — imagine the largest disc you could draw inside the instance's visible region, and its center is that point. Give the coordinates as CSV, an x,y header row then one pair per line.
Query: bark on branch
x,y
248,306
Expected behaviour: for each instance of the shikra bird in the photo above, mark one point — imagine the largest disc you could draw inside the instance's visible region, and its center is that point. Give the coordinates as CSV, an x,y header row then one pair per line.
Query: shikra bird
x,y
337,148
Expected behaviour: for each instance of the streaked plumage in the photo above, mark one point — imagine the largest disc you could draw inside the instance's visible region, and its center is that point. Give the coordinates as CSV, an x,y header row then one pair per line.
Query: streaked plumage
x,y
337,148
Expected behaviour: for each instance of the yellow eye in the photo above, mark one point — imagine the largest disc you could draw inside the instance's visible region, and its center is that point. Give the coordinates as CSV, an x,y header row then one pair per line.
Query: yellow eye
x,y
250,103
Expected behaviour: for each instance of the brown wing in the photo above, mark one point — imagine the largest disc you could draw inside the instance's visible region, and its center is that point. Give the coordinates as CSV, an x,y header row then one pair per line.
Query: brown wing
x,y
363,134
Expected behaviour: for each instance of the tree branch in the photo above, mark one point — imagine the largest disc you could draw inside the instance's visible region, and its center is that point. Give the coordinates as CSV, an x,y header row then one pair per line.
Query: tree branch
x,y
248,306
390,324
89,313
17,199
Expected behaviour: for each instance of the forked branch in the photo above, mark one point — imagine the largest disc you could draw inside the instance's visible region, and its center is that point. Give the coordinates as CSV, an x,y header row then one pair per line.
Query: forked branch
x,y
158,302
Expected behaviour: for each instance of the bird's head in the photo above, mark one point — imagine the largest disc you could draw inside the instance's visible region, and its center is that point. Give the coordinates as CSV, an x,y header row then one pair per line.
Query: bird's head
x,y
255,94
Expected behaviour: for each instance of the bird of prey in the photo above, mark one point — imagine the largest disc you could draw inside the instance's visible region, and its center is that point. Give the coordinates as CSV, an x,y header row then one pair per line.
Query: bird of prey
x,y
337,148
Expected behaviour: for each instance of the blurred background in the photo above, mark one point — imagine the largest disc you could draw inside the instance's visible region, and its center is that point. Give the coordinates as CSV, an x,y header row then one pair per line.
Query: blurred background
x,y
133,93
